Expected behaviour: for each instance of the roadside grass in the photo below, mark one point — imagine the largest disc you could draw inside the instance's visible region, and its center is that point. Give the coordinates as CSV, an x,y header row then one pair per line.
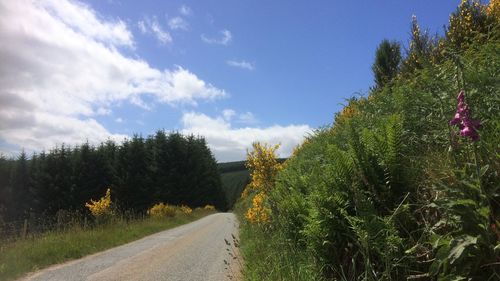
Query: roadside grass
x,y
269,257
23,256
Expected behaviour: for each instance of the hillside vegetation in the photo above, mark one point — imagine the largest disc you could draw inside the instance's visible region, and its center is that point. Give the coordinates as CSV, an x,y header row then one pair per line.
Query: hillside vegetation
x,y
405,184
233,184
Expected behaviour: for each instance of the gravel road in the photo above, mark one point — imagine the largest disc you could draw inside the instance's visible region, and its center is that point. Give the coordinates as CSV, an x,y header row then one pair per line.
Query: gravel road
x,y
195,251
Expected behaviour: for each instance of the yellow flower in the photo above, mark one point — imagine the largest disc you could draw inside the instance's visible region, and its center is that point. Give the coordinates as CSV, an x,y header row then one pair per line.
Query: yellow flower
x,y
263,165
493,9
186,210
209,208
258,213
102,206
161,210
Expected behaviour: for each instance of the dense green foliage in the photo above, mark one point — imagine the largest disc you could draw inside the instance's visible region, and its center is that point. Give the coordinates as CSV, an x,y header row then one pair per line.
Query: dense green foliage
x,y
140,172
391,191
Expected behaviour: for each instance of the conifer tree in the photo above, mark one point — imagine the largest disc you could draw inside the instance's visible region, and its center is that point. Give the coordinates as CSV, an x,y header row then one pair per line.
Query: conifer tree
x,y
387,62
20,188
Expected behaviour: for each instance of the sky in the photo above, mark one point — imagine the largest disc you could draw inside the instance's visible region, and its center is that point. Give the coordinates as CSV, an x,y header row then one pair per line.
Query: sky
x,y
232,71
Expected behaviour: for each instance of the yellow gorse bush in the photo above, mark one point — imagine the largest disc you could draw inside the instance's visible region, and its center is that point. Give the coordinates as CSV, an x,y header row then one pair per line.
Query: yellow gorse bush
x,y
349,111
186,210
161,210
264,167
258,213
102,206
471,18
493,9
209,208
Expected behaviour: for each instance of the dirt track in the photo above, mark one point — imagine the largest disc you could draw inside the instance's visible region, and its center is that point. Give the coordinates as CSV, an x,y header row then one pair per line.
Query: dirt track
x,y
195,251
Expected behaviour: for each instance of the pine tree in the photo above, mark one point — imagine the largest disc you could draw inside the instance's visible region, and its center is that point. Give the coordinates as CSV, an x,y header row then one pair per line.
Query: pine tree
x,y
20,192
387,62
134,190
162,164
5,195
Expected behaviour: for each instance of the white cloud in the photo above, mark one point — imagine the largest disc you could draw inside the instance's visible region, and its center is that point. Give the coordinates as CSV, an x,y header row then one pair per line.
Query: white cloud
x,y
103,111
228,114
230,144
224,40
162,35
178,23
57,74
241,64
119,120
152,26
185,10
48,129
247,118
142,27
83,20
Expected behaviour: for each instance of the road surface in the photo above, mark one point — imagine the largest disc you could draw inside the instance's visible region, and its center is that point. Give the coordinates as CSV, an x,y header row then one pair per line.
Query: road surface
x,y
191,252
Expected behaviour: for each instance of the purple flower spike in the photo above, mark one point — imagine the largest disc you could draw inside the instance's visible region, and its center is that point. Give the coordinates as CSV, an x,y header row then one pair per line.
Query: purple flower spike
x,y
469,132
468,126
461,96
456,120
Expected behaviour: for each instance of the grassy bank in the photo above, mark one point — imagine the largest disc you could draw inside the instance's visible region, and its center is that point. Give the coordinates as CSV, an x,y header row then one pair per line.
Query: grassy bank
x,y
403,185
19,257
279,261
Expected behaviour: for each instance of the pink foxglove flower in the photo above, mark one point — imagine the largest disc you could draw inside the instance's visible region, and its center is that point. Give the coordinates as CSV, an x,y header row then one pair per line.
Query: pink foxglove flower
x,y
468,126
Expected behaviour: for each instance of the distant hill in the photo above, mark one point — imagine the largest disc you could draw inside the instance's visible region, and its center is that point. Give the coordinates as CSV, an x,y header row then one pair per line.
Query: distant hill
x,y
235,176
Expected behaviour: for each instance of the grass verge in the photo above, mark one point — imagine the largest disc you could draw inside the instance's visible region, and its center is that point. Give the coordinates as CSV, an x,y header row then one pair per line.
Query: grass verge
x,y
268,257
22,256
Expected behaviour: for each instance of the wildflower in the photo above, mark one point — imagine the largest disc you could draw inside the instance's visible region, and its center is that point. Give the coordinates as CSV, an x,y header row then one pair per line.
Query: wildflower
x,y
161,210
209,208
468,126
102,206
186,210
258,213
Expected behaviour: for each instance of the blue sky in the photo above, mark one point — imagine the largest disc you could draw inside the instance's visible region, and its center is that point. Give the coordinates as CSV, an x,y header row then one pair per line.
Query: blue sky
x,y
232,71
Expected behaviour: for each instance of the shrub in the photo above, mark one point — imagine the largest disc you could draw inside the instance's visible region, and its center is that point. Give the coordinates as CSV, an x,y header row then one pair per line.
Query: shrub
x,y
209,208
101,207
264,166
258,212
161,210
186,210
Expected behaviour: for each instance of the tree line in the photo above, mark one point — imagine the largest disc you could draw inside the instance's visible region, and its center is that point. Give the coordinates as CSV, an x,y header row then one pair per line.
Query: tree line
x,y
170,168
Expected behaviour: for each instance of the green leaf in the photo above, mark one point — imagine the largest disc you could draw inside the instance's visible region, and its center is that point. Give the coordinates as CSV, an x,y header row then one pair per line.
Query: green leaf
x,y
457,251
483,171
497,248
411,250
